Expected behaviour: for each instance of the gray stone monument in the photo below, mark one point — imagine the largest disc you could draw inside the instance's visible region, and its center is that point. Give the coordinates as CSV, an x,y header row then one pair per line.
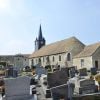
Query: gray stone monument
x,y
17,88
40,70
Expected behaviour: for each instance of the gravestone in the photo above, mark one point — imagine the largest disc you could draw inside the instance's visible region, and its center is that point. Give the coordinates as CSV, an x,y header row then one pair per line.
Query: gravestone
x,y
11,72
62,92
40,70
72,72
88,89
17,88
57,78
86,82
87,86
83,72
93,71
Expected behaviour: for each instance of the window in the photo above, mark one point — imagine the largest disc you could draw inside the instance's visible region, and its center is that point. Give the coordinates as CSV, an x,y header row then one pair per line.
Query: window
x,y
43,59
32,62
47,59
53,59
82,62
36,60
59,58
68,57
39,60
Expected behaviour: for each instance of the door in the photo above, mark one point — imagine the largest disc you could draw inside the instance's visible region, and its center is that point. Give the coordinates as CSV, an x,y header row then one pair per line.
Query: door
x,y
96,64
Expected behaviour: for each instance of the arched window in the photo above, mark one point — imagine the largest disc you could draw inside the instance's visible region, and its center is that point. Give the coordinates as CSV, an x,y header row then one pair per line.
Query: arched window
x,y
47,58
39,60
68,57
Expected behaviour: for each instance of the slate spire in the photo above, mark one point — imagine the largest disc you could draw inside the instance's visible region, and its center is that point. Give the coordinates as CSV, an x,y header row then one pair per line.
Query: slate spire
x,y
40,41
40,37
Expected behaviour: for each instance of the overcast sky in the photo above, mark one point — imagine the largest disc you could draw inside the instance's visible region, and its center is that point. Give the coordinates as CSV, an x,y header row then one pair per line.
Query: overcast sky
x,y
60,19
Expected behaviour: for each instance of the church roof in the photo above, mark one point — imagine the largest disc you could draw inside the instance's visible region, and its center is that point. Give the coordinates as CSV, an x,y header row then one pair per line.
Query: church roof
x,y
88,50
57,47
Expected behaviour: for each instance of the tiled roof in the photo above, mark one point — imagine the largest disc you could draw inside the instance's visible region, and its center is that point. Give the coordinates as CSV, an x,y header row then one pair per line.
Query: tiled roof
x,y
57,47
88,50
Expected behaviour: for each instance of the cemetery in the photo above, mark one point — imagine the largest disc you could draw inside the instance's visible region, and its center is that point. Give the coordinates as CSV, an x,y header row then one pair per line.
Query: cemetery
x,y
68,83
64,83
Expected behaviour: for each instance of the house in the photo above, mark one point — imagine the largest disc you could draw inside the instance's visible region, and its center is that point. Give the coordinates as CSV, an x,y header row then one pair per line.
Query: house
x,y
89,57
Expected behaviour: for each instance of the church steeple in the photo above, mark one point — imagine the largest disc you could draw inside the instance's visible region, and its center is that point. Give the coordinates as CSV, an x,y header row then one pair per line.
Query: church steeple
x,y
40,41
40,33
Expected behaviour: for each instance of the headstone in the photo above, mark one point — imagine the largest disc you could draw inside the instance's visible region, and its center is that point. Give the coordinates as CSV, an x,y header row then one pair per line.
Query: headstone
x,y
93,71
11,72
57,78
86,82
83,72
88,89
40,70
62,92
72,72
17,88
87,86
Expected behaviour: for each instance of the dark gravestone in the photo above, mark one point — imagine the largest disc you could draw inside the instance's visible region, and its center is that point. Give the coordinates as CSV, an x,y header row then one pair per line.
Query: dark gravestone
x,y
88,89
57,78
40,70
11,72
87,82
93,71
87,86
72,72
62,92
83,72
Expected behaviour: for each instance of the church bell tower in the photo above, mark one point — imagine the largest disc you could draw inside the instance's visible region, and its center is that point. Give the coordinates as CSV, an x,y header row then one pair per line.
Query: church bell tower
x,y
40,41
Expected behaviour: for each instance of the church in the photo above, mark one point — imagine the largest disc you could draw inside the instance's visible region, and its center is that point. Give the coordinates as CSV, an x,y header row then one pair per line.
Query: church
x,y
68,52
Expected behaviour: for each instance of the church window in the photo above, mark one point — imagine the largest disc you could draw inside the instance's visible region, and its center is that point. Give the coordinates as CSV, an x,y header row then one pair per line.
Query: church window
x,y
36,60
82,62
43,59
68,57
53,59
32,62
39,60
60,58
47,59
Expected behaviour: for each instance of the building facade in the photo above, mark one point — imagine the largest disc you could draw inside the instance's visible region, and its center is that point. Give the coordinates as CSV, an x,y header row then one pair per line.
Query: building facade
x,y
89,57
58,53
18,60
68,52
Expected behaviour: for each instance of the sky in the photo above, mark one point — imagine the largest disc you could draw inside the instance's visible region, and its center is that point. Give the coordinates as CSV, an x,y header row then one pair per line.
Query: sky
x,y
60,19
